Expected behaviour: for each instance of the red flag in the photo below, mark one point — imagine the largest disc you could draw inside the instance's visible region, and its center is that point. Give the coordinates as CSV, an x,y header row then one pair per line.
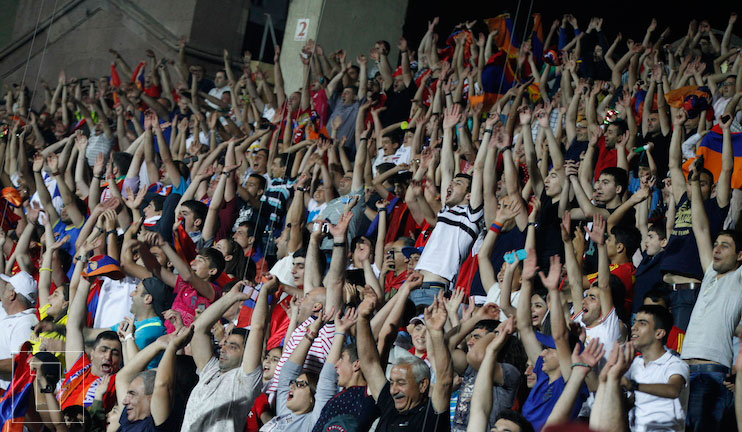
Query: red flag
x,y
183,243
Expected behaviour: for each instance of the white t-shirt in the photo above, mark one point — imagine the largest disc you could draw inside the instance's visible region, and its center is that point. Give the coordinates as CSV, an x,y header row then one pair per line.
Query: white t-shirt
x,y
493,296
114,302
451,240
653,412
608,329
14,331
401,156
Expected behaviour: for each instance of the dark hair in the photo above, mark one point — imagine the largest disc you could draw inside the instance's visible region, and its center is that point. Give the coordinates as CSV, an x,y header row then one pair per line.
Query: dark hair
x,y
240,332
735,235
490,325
656,295
465,176
662,318
629,237
215,259
517,418
352,351
321,261
262,182
620,176
122,160
283,158
660,229
158,201
621,125
358,240
199,209
397,136
235,266
106,335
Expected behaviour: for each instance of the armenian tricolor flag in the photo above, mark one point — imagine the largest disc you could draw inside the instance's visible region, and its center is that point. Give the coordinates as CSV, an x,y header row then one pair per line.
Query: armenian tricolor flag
x,y
14,404
710,147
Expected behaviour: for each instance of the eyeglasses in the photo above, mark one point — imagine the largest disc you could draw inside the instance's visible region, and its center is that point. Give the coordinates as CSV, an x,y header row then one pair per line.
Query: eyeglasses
x,y
298,384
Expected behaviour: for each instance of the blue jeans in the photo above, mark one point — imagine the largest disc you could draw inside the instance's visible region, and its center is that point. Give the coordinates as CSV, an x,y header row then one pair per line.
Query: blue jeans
x,y
708,399
681,302
426,294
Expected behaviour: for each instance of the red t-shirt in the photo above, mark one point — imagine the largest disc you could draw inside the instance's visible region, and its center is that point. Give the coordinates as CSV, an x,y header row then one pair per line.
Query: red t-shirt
x,y
625,272
260,406
392,282
187,300
79,386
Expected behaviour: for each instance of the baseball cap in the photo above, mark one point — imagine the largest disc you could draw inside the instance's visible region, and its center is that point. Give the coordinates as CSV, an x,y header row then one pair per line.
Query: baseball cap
x,y
418,319
23,284
103,265
409,251
159,292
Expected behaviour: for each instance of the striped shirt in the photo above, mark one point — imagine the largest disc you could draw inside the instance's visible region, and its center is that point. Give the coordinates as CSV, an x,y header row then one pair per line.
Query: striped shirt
x,y
317,352
451,240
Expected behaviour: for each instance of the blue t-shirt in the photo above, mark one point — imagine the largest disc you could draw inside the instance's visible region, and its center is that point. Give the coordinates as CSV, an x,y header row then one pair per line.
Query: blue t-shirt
x,y
147,331
544,396
60,230
513,239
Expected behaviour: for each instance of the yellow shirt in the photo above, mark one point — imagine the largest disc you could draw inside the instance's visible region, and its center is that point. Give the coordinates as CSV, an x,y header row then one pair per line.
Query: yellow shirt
x,y
36,340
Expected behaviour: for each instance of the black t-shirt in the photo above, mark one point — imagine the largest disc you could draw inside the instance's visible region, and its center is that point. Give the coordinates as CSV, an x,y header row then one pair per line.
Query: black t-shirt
x,y
351,409
421,418
548,233
144,425
660,152
681,254
647,278
398,105
513,239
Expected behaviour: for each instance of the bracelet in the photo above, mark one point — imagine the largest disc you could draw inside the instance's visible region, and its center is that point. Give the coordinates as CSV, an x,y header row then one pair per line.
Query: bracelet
x,y
56,173
383,209
100,177
45,269
488,131
113,231
128,337
341,244
448,94
226,173
339,334
301,189
363,139
581,364
496,227
533,224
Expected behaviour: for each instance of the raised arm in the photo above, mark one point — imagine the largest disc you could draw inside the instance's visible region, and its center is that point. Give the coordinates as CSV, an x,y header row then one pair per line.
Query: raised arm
x,y
162,394
724,185
367,353
598,235
701,230
253,355
435,319
523,314
559,330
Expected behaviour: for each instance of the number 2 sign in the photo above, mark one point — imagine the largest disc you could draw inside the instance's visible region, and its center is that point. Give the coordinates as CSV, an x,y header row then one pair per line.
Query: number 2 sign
x,y
302,27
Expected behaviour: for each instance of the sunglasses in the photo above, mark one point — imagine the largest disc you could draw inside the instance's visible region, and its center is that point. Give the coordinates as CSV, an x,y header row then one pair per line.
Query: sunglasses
x,y
298,384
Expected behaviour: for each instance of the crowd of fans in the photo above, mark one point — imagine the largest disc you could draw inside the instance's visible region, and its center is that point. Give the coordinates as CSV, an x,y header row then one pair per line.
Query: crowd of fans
x,y
383,249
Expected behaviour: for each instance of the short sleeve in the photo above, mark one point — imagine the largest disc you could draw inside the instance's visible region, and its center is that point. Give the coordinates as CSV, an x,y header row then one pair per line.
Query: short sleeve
x,y
511,376
678,367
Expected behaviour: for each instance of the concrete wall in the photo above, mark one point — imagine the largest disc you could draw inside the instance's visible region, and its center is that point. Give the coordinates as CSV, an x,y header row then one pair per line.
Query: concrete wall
x,y
353,25
82,31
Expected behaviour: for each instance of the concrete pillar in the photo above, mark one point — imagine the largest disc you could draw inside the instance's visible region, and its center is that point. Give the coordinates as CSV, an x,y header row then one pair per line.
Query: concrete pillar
x,y
353,25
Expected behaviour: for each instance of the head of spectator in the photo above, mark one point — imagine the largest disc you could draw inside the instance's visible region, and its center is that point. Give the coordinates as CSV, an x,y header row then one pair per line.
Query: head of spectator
x,y
728,86
539,308
121,163
220,79
312,303
458,190
727,251
348,96
256,183
149,299
418,333
278,165
208,264
409,382
344,183
259,161
234,257
295,101
553,185
393,255
139,396
611,186
651,327
244,236
706,181
412,255
154,207
105,357
59,300
511,421
297,268
270,361
193,213
391,142
231,350
614,132
478,339
656,239
301,393
348,367
622,243
581,133
19,292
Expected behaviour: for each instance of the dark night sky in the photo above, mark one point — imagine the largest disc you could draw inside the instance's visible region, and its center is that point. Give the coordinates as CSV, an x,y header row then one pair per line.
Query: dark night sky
x,y
629,18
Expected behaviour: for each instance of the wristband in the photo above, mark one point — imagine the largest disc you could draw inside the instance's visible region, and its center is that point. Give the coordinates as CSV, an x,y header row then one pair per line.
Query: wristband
x,y
128,337
383,209
100,229
364,139
448,94
533,224
339,334
113,231
580,364
301,189
496,227
226,173
341,244
56,173
45,269
489,131
101,178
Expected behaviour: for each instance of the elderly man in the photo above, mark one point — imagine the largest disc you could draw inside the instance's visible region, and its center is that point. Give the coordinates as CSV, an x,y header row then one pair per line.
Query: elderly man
x,y
19,294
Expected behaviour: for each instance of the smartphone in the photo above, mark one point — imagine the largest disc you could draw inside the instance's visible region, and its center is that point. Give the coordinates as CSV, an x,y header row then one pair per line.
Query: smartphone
x,y
731,378
326,228
725,118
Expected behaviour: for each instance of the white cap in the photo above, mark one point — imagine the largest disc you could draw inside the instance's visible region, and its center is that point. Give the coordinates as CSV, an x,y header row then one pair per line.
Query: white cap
x,y
23,284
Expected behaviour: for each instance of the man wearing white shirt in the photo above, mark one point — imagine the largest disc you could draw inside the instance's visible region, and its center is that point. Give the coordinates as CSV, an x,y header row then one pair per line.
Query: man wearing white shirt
x,y
658,378
19,294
